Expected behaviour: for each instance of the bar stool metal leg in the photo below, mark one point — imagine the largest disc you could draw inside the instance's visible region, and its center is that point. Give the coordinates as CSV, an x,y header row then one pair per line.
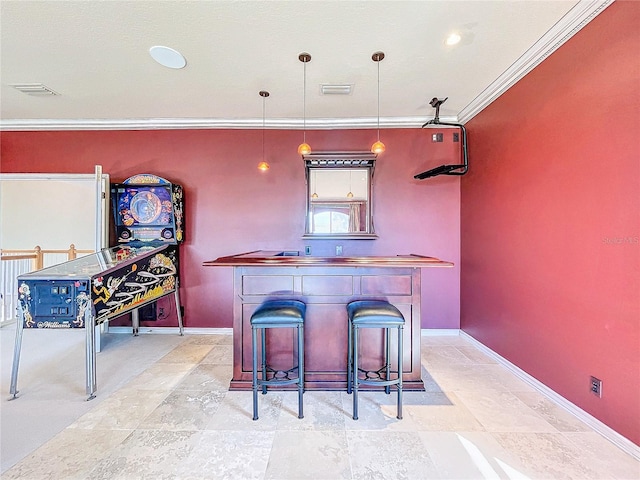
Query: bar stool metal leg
x,y
387,334
355,372
263,356
400,357
349,357
300,369
254,378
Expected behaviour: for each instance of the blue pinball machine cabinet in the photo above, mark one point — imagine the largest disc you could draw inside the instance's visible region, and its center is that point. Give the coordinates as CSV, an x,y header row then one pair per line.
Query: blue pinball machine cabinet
x,y
90,290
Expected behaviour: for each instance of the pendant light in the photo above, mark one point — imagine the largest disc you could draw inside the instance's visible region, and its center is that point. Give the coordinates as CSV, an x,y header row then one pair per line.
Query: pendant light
x,y
263,165
304,148
378,147
350,194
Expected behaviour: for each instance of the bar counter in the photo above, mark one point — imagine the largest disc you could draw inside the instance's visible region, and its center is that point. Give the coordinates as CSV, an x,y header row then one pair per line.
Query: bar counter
x,y
326,285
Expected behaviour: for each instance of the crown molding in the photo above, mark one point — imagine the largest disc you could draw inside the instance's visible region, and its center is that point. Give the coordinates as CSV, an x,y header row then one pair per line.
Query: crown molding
x,y
581,14
567,27
213,123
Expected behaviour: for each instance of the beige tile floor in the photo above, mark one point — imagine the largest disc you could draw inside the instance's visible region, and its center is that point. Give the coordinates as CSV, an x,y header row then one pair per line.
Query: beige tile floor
x,y
177,420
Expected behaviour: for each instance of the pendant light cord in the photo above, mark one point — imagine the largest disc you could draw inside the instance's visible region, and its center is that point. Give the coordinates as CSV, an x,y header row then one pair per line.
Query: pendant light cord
x,y
304,148
263,165
304,104
378,147
378,62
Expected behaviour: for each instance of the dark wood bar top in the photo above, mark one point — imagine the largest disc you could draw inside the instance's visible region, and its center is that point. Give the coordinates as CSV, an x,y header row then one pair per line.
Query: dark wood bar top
x,y
292,258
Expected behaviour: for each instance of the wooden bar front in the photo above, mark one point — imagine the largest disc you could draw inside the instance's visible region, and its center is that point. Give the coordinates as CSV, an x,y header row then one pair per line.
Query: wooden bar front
x,y
325,285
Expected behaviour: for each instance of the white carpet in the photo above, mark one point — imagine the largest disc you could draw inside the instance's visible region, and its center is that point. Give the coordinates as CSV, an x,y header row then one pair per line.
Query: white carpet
x,y
52,383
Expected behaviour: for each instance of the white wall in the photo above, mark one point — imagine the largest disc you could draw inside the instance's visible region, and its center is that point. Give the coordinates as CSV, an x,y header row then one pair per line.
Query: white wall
x,y
50,210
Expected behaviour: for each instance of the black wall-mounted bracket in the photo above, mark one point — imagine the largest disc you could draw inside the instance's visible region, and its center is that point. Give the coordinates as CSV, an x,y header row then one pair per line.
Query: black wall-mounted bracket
x,y
446,169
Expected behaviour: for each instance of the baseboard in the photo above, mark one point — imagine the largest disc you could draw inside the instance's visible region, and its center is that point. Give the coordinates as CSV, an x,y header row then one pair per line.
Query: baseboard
x,y
440,332
174,330
607,432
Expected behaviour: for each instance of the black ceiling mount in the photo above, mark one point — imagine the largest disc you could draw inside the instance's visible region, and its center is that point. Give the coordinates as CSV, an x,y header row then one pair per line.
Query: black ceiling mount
x,y
446,169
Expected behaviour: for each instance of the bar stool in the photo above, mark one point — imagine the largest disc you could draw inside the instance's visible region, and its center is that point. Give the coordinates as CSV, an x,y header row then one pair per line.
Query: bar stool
x,y
277,314
373,314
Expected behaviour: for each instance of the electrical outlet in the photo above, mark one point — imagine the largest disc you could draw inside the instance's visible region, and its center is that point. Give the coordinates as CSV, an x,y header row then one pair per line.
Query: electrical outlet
x,y
338,250
596,386
437,137
307,250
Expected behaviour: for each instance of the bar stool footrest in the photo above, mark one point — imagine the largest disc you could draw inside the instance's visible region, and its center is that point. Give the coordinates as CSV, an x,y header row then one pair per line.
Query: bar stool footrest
x,y
280,375
373,374
278,383
378,383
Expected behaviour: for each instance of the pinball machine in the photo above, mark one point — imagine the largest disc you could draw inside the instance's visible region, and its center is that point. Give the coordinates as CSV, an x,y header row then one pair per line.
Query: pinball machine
x,y
91,290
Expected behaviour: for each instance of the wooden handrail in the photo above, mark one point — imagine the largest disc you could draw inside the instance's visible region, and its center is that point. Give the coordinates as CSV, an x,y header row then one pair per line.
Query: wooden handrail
x,y
34,254
24,256
37,254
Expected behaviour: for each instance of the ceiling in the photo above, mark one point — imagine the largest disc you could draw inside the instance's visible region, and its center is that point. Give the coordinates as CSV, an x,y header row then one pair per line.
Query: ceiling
x,y
95,56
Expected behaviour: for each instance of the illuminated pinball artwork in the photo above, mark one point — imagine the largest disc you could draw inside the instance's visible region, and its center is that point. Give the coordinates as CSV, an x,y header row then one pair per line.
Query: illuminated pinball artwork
x,y
148,209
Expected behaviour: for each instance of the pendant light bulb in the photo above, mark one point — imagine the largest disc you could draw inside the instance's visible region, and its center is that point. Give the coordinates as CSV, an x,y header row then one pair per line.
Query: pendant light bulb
x,y
378,147
304,148
263,165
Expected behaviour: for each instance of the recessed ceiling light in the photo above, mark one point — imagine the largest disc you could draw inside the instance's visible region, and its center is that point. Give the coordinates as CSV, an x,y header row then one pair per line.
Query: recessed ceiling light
x,y
167,57
453,39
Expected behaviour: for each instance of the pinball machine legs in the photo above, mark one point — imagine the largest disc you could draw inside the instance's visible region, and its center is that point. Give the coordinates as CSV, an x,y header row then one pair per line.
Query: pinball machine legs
x,y
16,353
176,295
90,330
135,316
135,322
90,350
90,324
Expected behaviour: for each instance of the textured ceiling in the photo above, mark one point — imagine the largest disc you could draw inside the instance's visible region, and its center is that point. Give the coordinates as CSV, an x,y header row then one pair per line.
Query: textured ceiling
x,y
95,55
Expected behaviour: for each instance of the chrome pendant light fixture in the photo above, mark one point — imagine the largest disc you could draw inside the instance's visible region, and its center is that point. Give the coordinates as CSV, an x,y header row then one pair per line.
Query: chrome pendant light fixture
x,y
378,147
263,165
304,148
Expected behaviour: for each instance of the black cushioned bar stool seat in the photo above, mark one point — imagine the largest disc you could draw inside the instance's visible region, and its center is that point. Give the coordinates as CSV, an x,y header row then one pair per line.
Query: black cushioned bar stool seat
x,y
374,314
277,314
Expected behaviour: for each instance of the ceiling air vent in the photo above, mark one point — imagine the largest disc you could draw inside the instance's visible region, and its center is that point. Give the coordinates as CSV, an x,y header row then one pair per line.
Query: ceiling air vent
x,y
35,89
326,89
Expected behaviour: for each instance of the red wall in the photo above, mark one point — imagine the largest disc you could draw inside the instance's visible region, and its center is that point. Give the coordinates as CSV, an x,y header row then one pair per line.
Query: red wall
x,y
551,216
232,207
